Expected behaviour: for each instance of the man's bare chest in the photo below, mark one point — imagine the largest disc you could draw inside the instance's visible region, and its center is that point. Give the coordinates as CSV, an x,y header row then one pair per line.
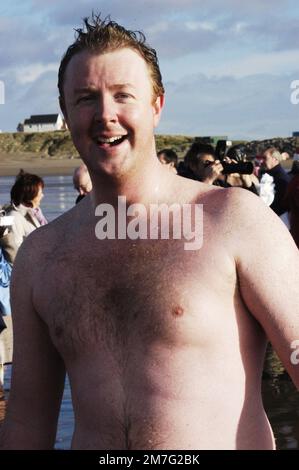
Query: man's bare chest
x,y
117,298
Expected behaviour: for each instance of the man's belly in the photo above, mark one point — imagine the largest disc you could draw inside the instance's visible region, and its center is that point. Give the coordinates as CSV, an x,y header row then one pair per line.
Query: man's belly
x,y
176,426
169,363
175,405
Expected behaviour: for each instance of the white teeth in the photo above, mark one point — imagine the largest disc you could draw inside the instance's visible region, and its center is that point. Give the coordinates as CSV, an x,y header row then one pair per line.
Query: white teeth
x,y
109,140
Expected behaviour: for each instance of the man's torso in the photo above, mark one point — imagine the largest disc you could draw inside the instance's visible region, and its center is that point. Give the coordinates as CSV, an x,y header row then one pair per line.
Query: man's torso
x,y
160,349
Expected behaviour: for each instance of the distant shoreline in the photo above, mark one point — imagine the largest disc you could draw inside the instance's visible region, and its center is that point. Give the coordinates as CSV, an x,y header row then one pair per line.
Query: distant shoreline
x,y
10,165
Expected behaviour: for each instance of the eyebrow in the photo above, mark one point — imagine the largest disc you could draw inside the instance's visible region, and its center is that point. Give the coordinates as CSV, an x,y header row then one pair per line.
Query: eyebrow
x,y
91,89
122,85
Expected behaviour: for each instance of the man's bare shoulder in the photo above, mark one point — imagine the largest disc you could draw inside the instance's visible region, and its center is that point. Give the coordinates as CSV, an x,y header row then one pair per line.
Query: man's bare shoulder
x,y
233,202
194,190
249,222
46,240
217,198
242,217
247,208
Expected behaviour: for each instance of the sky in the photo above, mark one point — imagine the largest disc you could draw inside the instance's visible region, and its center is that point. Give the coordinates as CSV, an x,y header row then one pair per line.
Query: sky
x,y
227,65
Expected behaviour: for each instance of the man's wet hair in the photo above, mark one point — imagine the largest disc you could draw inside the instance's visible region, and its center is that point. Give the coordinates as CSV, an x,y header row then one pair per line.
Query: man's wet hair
x,y
104,35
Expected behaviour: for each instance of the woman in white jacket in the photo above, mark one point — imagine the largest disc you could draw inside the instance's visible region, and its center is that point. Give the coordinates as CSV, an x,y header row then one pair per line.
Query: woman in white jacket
x,y
26,195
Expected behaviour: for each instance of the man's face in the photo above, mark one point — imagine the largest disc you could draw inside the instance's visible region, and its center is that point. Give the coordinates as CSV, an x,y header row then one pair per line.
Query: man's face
x,y
268,162
109,109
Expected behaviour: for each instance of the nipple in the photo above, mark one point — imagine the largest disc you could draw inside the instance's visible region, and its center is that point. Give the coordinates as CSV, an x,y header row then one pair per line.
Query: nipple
x,y
177,311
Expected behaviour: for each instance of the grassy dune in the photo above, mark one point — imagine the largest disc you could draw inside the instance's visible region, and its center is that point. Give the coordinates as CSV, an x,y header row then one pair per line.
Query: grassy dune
x,y
59,144
43,144
54,153
48,152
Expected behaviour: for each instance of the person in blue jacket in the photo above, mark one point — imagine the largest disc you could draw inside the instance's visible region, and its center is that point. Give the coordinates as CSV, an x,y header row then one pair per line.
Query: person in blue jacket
x,y
5,274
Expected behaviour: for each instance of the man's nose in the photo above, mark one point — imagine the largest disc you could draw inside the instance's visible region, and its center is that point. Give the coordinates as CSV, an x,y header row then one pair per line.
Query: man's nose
x,y
106,109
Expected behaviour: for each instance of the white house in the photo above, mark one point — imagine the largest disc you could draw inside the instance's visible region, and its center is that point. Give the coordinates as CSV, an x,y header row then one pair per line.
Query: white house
x,y
43,123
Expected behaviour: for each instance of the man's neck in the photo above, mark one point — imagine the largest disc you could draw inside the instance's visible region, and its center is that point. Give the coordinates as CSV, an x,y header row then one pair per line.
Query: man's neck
x,y
144,185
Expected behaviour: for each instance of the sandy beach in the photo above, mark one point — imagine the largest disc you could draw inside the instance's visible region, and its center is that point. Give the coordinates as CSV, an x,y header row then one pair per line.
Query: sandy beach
x,y
11,164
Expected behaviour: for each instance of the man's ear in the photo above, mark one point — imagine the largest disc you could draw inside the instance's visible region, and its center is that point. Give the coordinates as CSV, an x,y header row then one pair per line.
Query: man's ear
x,y
157,107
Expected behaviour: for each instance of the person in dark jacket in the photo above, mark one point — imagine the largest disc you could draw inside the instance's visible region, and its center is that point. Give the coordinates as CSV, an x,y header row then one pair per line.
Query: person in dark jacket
x,y
292,201
271,163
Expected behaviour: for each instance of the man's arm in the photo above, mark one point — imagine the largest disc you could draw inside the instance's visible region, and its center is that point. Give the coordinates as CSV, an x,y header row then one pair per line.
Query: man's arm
x,y
38,372
268,270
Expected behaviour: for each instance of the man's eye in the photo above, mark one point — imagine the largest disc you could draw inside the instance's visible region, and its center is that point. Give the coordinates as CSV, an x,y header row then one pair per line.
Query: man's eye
x,y
84,98
123,96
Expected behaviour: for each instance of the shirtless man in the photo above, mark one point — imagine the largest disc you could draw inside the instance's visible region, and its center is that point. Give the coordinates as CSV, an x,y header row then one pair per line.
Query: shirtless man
x,y
164,346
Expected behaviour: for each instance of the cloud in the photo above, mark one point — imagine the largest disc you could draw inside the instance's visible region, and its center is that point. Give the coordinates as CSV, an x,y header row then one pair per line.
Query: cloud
x,y
31,73
36,97
257,106
28,41
151,10
272,63
246,53
276,33
175,31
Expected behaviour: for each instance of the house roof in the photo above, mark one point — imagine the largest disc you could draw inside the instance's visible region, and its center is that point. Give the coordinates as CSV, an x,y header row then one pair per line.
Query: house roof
x,y
42,119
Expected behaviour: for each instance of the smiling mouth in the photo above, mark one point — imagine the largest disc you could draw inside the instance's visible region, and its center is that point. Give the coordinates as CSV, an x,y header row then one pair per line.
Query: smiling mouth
x,y
111,141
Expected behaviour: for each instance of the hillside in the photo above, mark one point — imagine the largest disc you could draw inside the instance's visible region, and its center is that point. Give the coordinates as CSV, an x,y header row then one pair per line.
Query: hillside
x,y
59,145
43,144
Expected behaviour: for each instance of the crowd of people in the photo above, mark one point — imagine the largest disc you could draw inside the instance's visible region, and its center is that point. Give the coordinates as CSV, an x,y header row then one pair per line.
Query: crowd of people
x,y
277,187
